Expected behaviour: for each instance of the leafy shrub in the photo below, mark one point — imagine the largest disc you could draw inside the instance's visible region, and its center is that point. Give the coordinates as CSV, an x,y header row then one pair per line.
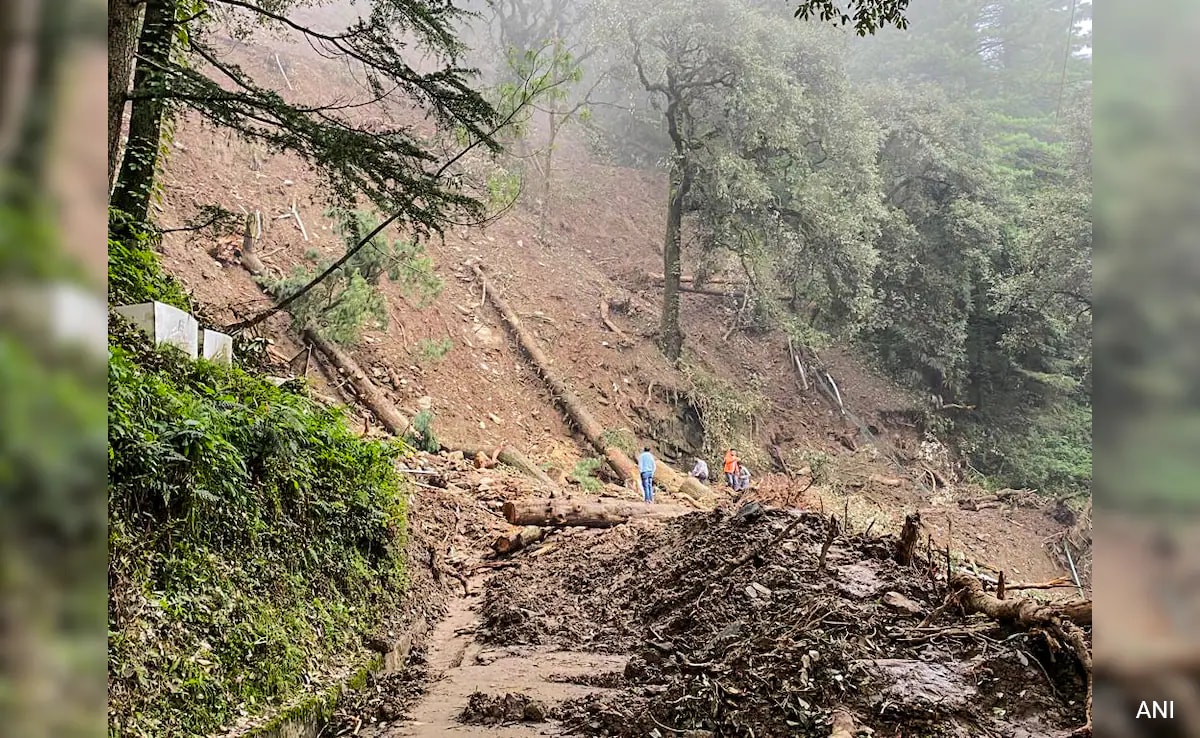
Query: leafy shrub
x,y
134,272
425,439
583,474
434,350
349,300
726,413
622,439
253,541
1053,453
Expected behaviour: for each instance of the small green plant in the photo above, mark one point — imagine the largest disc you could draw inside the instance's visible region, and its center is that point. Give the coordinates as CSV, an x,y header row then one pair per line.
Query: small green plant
x,y
425,439
620,438
349,300
583,474
819,462
433,350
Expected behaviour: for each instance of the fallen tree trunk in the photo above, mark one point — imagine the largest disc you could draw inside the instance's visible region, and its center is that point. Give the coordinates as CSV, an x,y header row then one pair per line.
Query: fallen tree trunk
x,y
574,407
1020,610
1058,621
737,295
396,422
604,513
509,456
688,279
506,545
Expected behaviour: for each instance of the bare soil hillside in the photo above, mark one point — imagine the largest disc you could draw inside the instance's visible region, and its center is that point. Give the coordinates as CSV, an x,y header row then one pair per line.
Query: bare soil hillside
x,y
605,230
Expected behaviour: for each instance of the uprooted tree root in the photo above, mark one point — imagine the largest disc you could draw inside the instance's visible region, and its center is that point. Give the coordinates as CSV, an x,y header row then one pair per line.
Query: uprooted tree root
x,y
1059,623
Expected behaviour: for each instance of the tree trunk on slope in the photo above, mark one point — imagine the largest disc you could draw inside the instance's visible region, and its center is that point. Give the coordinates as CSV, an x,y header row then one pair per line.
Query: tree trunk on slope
x,y
574,407
135,181
395,421
124,19
596,514
671,333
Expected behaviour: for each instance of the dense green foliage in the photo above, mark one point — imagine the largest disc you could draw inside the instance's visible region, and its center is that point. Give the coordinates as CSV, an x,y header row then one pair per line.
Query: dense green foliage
x,y
923,193
134,273
253,540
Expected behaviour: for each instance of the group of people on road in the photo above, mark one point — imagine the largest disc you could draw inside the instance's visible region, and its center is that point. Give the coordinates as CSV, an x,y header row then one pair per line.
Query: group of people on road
x,y
737,475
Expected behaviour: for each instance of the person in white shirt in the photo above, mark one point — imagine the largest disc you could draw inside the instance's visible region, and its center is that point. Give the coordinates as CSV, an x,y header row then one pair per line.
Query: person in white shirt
x,y
743,478
700,470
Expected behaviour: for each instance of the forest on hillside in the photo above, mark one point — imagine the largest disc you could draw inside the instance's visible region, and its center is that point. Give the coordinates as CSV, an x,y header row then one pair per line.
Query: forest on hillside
x,y
922,191
910,180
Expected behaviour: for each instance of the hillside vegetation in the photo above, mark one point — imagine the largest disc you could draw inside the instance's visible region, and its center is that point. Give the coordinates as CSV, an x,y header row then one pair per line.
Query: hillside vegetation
x,y
254,540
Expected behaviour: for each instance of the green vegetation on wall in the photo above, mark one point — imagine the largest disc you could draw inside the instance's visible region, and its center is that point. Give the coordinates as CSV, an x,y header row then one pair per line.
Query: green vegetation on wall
x,y
253,540
134,272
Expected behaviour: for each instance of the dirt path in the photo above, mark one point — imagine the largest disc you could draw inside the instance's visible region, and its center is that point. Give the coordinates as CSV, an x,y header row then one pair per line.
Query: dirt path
x,y
460,666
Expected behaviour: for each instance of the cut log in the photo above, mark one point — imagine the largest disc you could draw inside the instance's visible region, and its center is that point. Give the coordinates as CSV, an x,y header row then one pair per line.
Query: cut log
x,y
604,513
508,456
507,545
576,410
909,535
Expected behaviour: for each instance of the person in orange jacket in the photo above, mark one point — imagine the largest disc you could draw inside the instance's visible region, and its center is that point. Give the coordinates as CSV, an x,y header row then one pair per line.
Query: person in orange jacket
x,y
731,468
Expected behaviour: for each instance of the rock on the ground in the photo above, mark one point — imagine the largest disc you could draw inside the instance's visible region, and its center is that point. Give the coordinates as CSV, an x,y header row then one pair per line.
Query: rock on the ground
x,y
900,603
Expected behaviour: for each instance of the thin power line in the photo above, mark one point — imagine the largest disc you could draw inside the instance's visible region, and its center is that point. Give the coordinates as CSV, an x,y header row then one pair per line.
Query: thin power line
x,y
1062,82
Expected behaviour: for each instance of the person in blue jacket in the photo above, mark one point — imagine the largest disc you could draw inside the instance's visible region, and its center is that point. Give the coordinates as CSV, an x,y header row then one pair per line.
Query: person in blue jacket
x,y
646,466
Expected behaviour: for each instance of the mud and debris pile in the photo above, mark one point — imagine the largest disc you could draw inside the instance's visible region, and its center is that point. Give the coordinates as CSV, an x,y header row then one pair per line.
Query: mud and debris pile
x,y
384,699
484,709
732,627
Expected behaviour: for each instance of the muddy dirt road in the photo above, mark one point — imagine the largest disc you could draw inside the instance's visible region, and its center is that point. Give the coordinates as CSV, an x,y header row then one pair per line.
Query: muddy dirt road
x,y
461,666
726,624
